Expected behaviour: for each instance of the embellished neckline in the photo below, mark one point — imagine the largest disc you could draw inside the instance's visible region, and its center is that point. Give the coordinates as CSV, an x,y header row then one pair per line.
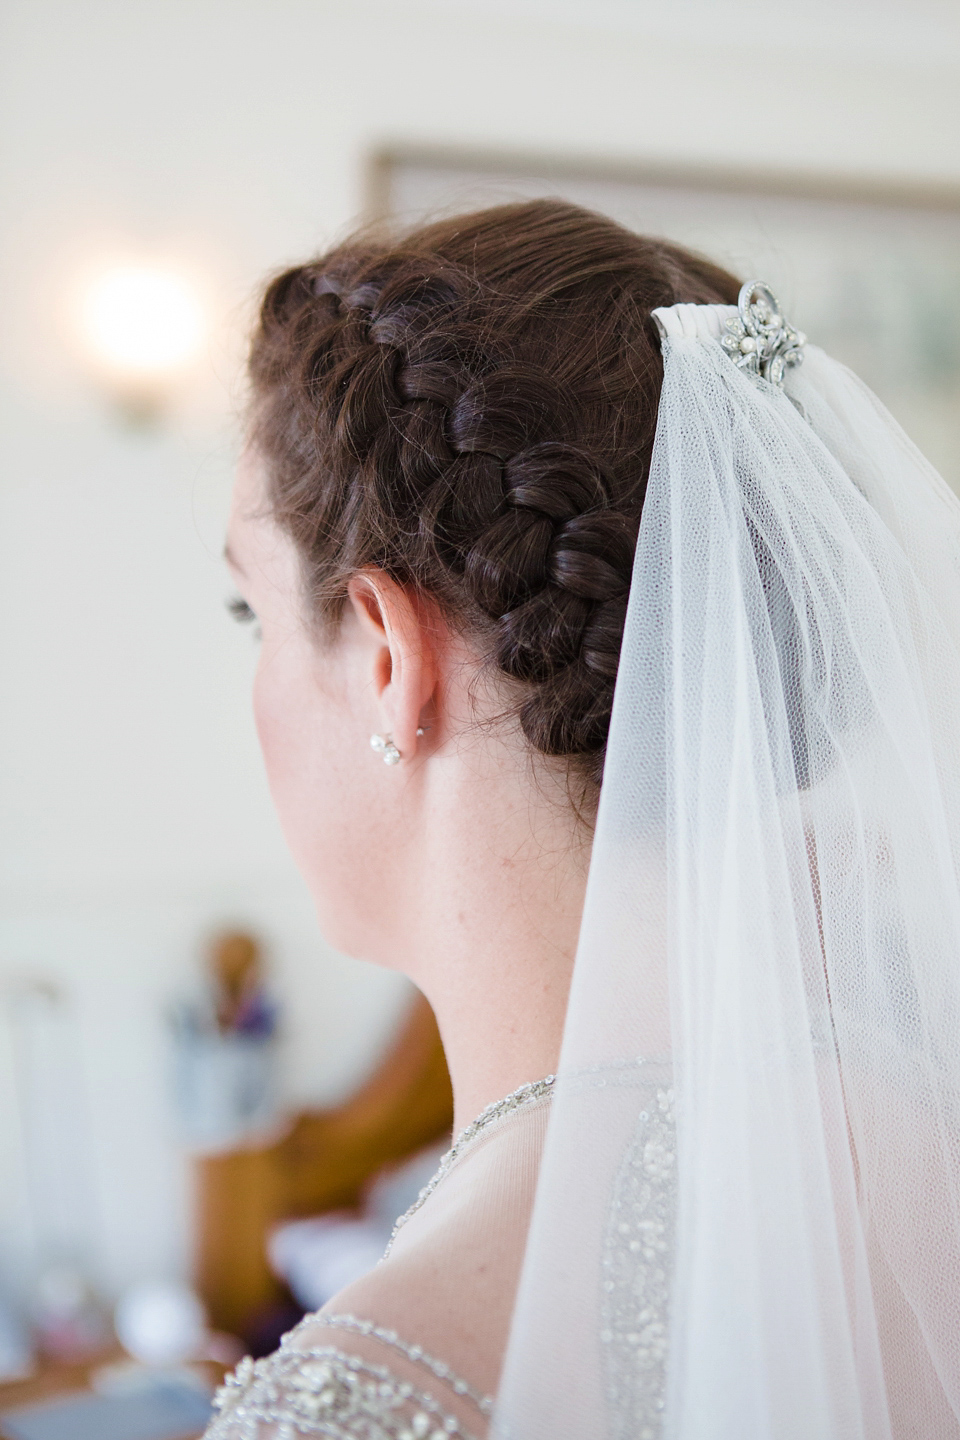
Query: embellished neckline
x,y
525,1095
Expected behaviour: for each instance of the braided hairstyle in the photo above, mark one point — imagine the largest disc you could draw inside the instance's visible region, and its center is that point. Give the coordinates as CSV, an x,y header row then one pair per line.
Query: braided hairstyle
x,y
471,407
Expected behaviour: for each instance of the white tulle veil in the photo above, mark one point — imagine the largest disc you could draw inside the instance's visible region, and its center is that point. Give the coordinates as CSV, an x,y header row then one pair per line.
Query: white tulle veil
x,y
748,1219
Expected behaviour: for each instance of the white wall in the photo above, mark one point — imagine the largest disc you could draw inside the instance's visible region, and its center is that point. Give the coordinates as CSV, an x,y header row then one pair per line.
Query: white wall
x,y
229,136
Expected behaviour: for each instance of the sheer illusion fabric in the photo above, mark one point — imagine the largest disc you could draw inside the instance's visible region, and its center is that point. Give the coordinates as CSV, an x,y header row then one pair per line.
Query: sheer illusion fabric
x,y
748,1215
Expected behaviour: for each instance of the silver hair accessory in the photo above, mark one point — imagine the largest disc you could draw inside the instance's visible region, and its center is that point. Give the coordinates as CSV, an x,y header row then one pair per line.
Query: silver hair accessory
x,y
385,748
760,340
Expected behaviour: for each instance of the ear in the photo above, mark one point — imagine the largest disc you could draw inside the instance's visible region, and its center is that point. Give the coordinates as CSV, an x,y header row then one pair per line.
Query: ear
x,y
403,644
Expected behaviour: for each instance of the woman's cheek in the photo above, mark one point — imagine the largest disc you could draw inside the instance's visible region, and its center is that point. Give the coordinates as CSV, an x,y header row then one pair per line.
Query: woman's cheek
x,y
313,786
284,728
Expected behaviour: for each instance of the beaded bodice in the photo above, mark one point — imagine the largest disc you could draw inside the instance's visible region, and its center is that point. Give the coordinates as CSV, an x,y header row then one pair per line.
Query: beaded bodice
x,y
326,1391
349,1378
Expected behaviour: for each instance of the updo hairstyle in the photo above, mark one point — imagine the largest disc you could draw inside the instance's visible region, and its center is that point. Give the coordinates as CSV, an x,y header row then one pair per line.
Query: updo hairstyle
x,y
471,407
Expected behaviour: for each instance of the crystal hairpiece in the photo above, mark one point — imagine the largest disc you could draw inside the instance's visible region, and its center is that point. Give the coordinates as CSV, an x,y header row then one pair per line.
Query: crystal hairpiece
x,y
758,338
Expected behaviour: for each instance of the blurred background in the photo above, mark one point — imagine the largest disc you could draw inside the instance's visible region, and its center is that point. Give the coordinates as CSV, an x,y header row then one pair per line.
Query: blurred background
x,y
158,161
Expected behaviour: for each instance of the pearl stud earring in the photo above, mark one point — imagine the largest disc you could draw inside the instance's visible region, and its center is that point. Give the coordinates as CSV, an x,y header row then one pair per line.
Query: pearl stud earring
x,y
385,748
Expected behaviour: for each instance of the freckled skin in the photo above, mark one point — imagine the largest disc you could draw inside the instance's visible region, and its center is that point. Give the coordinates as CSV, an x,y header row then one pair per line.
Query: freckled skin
x,y
457,866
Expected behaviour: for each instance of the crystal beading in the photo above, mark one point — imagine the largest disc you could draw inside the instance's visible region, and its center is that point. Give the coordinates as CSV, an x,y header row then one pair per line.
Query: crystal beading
x,y
637,1275
759,340
325,1392
525,1095
415,1353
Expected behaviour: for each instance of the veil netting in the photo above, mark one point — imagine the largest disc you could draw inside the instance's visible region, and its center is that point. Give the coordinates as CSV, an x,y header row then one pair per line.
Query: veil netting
x,y
747,1223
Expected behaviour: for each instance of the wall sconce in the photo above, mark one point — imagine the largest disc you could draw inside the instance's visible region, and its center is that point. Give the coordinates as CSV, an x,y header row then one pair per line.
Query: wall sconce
x,y
143,328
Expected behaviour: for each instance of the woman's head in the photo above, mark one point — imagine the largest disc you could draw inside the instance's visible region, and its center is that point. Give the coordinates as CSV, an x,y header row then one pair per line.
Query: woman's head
x,y
467,412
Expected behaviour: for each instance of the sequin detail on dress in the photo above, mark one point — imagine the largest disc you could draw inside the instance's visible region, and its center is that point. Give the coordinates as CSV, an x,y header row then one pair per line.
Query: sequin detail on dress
x,y
636,1272
323,1392
525,1095
416,1353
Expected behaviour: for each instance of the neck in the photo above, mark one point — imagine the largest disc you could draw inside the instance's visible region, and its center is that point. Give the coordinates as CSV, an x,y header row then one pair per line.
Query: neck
x,y
494,953
490,1054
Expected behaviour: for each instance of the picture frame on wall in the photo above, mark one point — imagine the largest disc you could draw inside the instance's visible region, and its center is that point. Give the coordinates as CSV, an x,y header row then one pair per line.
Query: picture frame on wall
x,y
871,272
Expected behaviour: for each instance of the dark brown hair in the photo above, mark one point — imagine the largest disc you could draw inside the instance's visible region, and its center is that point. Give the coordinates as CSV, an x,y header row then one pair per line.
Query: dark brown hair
x,y
472,406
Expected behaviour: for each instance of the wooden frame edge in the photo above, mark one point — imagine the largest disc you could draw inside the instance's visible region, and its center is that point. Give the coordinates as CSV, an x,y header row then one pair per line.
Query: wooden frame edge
x,y
785,183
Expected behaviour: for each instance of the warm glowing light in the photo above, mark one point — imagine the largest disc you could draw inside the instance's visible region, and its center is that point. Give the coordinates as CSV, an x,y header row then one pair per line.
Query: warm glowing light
x,y
143,323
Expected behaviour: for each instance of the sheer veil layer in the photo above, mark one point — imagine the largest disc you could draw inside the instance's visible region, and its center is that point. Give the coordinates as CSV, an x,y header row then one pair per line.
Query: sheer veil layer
x,y
748,1215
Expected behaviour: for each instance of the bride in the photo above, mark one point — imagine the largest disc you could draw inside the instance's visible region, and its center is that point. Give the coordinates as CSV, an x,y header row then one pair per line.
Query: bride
x,y
531,502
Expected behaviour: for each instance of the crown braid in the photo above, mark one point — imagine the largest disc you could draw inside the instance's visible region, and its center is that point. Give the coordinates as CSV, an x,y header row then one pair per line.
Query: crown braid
x,y
473,410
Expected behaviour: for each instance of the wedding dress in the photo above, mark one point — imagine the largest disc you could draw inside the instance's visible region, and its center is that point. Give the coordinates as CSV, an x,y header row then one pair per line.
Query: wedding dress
x,y
412,1351
745,1220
